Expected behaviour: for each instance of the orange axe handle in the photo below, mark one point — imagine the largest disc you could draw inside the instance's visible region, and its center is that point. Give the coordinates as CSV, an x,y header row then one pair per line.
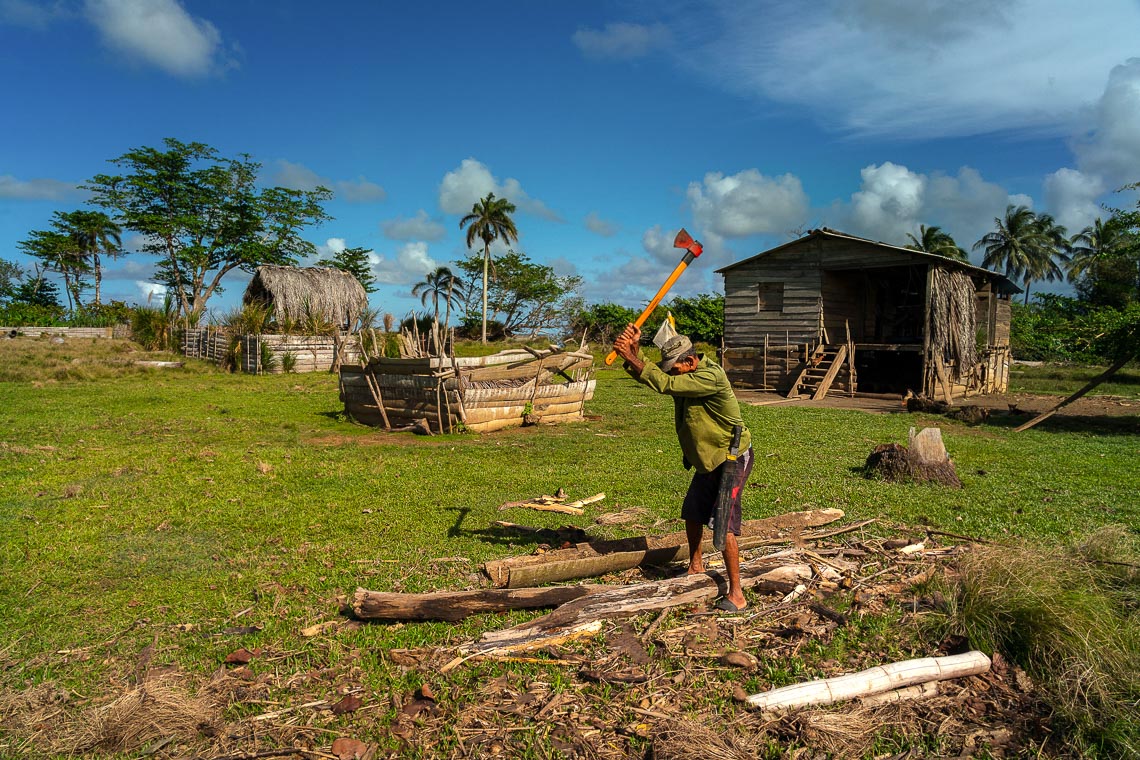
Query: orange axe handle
x,y
693,250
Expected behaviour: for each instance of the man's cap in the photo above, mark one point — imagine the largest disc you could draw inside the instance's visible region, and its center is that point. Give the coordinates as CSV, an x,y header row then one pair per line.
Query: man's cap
x,y
674,348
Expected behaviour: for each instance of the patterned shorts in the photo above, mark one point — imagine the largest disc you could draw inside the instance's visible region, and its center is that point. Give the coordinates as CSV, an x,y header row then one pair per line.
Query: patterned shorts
x,y
700,501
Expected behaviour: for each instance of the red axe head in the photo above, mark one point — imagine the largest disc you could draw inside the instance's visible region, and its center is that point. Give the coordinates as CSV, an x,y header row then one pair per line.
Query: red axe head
x,y
685,240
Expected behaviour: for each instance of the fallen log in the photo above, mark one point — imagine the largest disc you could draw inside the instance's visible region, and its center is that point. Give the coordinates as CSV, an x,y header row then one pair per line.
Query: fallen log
x,y
601,557
775,573
456,605
872,681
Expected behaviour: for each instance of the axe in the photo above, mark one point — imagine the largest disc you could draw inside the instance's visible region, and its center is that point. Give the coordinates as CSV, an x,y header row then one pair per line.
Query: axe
x,y
693,249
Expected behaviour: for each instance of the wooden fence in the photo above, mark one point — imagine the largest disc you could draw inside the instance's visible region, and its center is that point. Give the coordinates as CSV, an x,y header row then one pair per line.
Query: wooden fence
x,y
259,354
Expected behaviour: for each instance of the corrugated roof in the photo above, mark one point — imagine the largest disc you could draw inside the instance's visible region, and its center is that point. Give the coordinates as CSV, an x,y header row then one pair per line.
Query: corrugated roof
x,y
1006,285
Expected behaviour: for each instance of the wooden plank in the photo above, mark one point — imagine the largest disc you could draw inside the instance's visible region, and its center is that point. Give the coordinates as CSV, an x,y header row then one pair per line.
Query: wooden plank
x,y
457,605
825,384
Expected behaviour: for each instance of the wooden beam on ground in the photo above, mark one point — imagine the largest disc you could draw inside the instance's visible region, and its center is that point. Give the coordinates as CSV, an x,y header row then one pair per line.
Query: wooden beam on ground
x,y
456,605
832,371
601,557
1088,387
775,573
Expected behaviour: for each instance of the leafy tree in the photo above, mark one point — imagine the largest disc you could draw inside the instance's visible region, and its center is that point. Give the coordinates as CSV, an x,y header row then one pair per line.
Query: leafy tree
x,y
1100,267
59,252
93,232
935,240
10,275
37,291
355,262
601,321
203,216
701,317
1022,246
526,296
489,220
440,284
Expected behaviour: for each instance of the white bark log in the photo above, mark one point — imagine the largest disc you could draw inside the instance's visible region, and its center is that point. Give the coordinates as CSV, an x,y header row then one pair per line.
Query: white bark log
x,y
876,680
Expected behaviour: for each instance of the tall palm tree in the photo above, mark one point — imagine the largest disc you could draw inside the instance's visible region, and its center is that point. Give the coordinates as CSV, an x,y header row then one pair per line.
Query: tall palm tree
x,y
1094,243
489,220
934,240
437,285
1053,253
93,232
1015,245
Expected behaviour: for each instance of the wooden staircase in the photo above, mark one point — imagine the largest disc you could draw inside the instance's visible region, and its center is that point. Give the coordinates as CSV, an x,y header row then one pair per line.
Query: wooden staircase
x,y
818,373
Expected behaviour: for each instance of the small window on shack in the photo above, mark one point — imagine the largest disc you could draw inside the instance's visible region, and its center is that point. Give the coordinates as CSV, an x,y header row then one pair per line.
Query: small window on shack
x,y
770,296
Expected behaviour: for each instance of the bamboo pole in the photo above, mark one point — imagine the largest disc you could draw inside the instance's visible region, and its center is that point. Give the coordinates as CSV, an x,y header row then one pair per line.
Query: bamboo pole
x,y
877,680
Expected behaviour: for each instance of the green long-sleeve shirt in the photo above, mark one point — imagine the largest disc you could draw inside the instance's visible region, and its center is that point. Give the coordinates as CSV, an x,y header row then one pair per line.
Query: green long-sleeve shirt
x,y
705,411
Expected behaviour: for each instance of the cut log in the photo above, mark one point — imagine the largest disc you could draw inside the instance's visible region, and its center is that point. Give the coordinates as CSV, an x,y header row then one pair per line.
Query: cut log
x,y
775,573
456,605
601,557
872,681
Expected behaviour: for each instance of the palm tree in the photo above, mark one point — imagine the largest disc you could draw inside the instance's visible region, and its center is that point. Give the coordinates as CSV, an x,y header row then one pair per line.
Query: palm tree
x,y
1016,245
440,284
94,232
1054,252
934,240
1094,243
490,220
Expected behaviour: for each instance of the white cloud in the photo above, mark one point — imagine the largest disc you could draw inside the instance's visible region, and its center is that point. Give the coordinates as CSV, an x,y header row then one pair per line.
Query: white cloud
x,y
40,189
418,227
300,177
916,69
1072,195
889,201
600,226
331,248
410,264
160,32
621,40
894,201
1111,147
150,291
747,203
472,180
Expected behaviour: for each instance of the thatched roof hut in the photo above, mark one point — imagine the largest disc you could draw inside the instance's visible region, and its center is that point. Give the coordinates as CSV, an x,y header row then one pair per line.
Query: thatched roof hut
x,y
295,293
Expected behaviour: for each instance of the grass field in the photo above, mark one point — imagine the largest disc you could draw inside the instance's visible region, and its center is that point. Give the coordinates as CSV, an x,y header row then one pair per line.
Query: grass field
x,y
156,507
1065,379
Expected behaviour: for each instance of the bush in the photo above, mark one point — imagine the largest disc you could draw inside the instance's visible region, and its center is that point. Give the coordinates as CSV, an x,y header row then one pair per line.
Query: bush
x,y
1061,329
28,315
1070,619
152,329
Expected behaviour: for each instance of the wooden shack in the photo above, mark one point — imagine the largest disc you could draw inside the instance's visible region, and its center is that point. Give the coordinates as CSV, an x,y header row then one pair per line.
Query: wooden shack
x,y
831,312
478,394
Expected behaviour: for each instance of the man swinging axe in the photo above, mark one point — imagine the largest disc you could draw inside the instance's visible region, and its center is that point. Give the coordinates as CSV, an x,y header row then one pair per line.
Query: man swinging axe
x,y
714,442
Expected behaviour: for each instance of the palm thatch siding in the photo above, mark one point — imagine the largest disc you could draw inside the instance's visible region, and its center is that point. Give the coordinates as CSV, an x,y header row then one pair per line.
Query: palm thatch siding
x,y
953,320
296,293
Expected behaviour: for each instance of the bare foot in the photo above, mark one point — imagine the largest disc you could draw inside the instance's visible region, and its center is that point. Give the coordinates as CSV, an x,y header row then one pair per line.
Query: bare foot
x,y
695,570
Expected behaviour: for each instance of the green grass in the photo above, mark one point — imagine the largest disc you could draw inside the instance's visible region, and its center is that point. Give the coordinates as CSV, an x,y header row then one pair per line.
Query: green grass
x,y
143,506
1063,379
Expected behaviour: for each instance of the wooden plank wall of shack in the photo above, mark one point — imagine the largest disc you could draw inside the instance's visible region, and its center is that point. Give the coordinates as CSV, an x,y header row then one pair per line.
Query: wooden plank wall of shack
x,y
482,393
829,288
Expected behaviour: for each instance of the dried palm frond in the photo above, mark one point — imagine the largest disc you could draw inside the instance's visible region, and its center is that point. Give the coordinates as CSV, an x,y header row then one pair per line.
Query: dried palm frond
x,y
297,294
953,320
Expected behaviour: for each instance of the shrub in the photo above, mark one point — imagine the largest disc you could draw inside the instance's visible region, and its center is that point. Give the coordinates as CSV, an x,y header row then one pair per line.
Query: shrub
x,y
288,361
151,328
1070,619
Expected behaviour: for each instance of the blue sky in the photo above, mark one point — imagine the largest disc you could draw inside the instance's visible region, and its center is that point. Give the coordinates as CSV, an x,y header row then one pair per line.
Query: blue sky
x,y
609,124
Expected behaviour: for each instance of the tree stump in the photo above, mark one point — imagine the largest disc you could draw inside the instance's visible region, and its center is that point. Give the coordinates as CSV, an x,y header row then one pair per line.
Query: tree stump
x,y
924,461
